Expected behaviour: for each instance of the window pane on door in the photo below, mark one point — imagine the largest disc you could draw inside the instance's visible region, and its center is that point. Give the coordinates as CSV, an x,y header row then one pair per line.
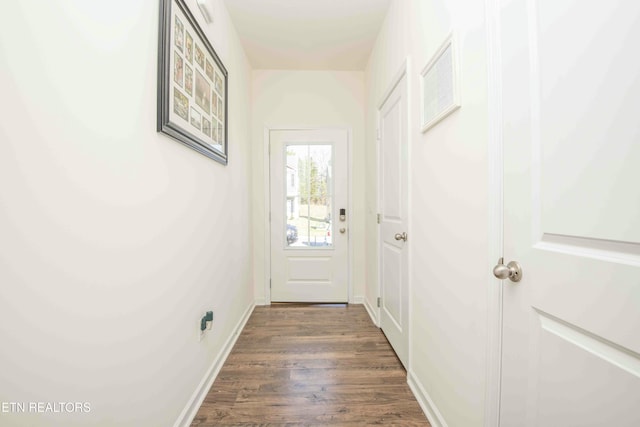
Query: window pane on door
x,y
309,195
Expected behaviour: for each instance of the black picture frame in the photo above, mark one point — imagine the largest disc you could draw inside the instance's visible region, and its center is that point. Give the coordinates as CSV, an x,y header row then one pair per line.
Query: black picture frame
x,y
192,84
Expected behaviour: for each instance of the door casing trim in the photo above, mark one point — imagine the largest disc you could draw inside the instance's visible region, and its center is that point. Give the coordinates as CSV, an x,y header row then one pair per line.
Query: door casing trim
x,y
495,155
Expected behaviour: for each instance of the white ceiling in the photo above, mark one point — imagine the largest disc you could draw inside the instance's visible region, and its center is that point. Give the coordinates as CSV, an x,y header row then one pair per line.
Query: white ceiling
x,y
308,34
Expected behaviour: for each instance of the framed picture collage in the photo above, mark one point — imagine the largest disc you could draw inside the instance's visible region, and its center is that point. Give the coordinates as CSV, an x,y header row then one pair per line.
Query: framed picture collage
x,y
192,84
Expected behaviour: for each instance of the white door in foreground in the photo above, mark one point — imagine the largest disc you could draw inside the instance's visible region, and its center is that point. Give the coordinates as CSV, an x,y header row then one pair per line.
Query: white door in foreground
x,y
571,102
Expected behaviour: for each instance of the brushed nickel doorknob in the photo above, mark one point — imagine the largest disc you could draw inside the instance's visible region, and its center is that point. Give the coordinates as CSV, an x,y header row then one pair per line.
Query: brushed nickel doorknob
x,y
511,271
401,236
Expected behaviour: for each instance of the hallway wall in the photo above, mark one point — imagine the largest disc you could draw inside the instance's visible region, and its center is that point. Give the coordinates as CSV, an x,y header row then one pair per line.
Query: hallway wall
x,y
114,239
448,235
308,99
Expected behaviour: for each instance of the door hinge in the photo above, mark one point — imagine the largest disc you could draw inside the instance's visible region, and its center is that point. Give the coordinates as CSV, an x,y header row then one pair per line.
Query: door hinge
x,y
378,134
378,301
269,283
379,218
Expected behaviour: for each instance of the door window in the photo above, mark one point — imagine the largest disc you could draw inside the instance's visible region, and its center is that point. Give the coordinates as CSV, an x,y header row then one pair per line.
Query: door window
x,y
309,196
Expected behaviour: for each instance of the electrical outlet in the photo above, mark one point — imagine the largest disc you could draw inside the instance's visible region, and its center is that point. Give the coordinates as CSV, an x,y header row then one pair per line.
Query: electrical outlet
x,y
202,327
206,323
209,318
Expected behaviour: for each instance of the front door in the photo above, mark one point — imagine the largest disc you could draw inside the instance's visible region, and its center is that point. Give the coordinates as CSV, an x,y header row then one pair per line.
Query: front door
x,y
394,307
309,215
571,102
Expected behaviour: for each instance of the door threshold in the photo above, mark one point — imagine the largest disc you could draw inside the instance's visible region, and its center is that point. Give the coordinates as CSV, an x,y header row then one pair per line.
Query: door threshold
x,y
310,304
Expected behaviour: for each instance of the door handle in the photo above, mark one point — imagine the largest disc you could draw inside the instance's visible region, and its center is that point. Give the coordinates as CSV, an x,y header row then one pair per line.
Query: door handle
x,y
511,271
401,236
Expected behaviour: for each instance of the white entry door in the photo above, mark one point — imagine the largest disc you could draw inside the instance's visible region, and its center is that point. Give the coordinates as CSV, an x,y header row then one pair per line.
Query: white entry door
x,y
309,215
394,307
571,102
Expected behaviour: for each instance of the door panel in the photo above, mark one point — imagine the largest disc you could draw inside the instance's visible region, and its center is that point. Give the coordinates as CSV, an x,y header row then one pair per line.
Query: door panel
x,y
585,78
310,268
394,310
392,278
575,368
571,93
309,184
392,171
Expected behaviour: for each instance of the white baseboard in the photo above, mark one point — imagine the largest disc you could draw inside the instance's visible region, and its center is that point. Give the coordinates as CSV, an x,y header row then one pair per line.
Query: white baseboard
x,y
373,313
191,409
260,301
359,299
427,405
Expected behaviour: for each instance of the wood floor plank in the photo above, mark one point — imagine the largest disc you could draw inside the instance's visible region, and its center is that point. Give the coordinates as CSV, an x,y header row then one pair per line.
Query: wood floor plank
x,y
310,365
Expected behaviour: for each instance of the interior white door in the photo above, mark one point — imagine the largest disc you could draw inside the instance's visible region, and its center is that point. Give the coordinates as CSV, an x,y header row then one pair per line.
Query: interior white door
x,y
393,200
571,102
309,236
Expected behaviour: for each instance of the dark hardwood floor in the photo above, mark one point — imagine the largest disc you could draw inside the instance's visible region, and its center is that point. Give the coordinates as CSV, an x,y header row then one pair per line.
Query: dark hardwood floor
x,y
311,365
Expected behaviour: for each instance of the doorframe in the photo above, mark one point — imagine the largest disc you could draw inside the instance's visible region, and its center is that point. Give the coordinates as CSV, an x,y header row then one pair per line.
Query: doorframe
x,y
495,143
266,157
403,71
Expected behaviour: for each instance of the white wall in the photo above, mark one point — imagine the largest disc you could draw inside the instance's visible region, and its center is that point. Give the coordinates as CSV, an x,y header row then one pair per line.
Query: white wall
x,y
449,206
308,99
114,239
